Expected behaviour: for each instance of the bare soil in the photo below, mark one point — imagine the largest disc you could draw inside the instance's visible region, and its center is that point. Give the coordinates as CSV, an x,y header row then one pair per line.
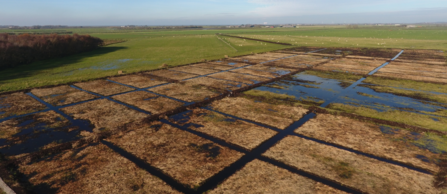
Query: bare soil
x,y
279,116
139,81
92,169
261,177
351,66
172,74
247,79
148,101
415,71
18,104
255,72
234,131
104,114
195,70
368,138
62,95
187,158
103,87
363,173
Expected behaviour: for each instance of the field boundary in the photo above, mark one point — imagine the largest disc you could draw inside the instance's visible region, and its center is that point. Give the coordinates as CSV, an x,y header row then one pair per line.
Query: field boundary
x,y
280,43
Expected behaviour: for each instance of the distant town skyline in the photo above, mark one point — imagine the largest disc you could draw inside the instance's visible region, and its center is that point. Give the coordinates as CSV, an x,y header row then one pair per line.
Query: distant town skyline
x,y
218,12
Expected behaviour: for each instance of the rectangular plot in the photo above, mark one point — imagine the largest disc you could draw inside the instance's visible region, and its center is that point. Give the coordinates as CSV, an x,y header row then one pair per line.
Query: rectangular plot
x,y
62,95
172,74
247,79
194,70
426,56
302,61
214,66
214,84
92,169
399,145
261,177
279,116
408,84
277,70
188,93
139,81
366,174
414,71
351,65
34,132
18,104
234,131
255,72
187,158
104,114
149,102
103,87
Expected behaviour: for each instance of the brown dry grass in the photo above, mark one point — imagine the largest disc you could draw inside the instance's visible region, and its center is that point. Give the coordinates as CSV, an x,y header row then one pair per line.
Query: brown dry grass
x,y
323,55
195,70
214,84
62,95
218,65
366,137
261,177
188,158
255,72
138,81
366,174
149,102
104,114
431,56
172,74
257,58
279,116
300,61
367,58
237,132
247,79
103,87
18,104
351,65
415,71
92,169
50,119
185,92
270,68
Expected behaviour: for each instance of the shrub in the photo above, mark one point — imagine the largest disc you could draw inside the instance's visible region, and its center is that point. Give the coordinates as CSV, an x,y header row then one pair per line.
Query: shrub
x,y
25,48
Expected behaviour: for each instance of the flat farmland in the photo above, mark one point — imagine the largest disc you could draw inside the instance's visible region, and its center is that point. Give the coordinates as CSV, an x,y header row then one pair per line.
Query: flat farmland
x,y
301,119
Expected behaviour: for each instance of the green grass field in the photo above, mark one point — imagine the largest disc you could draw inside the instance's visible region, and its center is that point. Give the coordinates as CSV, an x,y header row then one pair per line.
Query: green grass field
x,y
148,49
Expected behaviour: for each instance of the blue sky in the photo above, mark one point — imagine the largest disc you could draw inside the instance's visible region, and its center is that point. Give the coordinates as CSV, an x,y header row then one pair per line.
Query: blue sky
x,y
218,12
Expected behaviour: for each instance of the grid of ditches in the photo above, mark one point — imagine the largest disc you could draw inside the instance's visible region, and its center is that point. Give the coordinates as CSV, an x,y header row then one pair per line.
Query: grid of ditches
x,y
249,155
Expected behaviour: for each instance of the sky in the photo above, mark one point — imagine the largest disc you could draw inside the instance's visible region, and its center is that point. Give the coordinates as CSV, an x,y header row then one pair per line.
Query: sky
x,y
218,12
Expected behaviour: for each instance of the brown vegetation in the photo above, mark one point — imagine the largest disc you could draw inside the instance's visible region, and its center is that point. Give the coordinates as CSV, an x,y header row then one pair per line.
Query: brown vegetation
x,y
234,131
194,70
187,158
172,74
62,95
261,177
279,116
103,87
247,79
149,102
366,174
22,49
351,66
139,81
18,104
415,71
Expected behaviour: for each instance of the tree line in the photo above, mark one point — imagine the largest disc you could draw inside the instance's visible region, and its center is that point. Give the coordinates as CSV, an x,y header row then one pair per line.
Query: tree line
x,y
25,48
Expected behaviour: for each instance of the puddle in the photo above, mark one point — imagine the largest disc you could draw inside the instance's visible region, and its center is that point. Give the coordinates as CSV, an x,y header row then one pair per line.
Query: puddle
x,y
423,158
34,135
388,130
232,63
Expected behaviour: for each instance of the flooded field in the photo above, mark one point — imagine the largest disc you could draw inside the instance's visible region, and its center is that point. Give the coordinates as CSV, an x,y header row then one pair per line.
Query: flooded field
x,y
314,120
